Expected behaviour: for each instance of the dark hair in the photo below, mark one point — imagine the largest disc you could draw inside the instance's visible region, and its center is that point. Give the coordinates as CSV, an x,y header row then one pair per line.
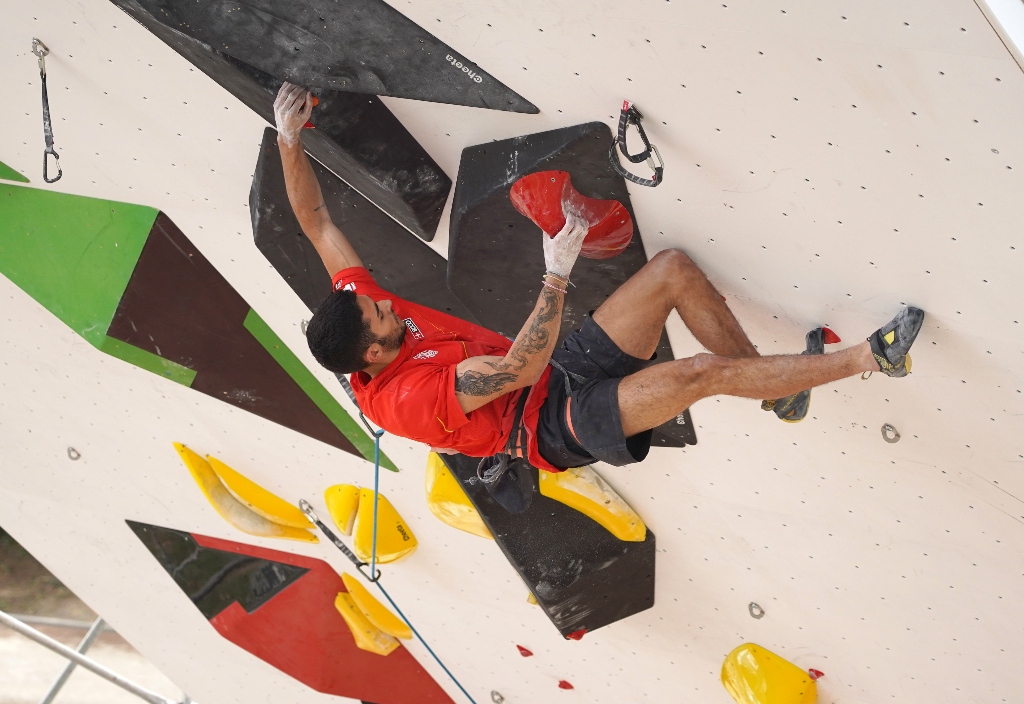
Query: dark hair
x,y
338,335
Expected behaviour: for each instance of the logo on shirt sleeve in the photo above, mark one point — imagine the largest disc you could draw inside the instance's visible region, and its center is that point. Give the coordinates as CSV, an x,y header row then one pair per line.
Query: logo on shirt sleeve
x,y
425,354
347,287
413,328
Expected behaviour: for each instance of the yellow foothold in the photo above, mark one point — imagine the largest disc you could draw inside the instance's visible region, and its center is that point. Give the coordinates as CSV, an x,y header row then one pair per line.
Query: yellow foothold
x,y
395,539
342,503
231,509
258,499
754,675
531,599
367,636
448,501
584,490
375,611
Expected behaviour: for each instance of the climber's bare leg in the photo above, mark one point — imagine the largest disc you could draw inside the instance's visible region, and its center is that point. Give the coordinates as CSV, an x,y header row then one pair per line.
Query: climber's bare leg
x,y
634,316
658,393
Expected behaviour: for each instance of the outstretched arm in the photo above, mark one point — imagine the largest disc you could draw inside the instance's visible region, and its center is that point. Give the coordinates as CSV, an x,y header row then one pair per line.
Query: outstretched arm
x,y
480,380
292,109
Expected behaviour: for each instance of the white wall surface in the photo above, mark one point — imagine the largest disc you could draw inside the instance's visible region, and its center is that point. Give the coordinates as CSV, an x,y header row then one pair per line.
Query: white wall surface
x,y
826,162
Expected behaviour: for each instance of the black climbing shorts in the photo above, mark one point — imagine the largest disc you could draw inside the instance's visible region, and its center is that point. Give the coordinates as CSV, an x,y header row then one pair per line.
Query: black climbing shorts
x,y
577,429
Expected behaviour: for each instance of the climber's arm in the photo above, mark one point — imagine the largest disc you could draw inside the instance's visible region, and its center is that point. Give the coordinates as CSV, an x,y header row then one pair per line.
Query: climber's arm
x,y
292,109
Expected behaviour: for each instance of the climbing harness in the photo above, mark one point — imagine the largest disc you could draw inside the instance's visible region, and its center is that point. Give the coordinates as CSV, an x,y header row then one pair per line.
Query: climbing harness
x,y
631,116
40,50
566,374
508,477
375,575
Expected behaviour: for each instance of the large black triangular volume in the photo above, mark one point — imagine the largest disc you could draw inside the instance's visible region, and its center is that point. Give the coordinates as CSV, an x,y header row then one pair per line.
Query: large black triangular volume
x,y
356,136
495,260
401,264
586,582
361,46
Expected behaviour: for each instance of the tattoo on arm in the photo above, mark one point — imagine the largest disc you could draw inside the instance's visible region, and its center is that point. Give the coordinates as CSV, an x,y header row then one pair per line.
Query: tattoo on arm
x,y
474,383
479,384
320,207
538,336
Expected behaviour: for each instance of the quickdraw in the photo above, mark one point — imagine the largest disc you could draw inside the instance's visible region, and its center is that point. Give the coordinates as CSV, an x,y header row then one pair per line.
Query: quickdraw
x,y
40,50
631,116
374,574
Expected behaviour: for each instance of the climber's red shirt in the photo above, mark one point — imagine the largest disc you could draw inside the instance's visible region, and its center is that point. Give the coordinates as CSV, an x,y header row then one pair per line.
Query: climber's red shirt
x,y
414,396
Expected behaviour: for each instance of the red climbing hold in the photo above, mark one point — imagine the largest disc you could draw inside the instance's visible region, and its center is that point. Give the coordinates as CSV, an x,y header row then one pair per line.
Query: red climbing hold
x,y
815,674
562,684
524,652
830,337
309,125
541,197
577,635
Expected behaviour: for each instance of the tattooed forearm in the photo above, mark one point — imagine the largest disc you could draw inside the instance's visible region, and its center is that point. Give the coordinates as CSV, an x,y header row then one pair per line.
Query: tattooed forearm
x,y
320,207
479,384
538,336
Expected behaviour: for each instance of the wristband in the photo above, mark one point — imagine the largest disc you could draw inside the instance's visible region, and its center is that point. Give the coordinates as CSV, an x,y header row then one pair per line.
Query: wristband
x,y
563,279
555,288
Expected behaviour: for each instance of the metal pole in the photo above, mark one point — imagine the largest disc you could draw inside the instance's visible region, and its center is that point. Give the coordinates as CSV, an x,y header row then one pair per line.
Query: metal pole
x,y
87,663
57,622
90,636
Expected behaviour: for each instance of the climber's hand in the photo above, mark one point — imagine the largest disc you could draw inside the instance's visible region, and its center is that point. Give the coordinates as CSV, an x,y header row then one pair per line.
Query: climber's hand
x,y
561,251
292,108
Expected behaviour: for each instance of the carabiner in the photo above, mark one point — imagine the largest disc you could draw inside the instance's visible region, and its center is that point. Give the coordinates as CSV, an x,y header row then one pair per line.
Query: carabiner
x,y
630,115
41,50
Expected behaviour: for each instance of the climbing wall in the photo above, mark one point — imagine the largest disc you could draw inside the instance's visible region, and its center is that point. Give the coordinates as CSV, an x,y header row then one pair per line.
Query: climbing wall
x,y
825,163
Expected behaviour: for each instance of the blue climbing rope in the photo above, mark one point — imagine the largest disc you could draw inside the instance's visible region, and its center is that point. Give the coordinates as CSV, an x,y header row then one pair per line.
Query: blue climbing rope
x,y
376,495
375,575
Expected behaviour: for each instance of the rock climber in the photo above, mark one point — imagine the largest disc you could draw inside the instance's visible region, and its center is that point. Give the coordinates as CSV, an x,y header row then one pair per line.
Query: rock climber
x,y
431,377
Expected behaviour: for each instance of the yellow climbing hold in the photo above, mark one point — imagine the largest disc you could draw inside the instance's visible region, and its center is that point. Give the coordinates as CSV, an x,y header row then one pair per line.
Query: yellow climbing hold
x,y
531,599
394,538
342,503
367,636
375,611
448,501
231,509
258,499
584,490
753,675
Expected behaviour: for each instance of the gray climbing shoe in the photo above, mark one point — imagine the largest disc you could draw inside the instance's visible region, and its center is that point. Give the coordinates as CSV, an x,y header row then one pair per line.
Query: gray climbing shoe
x,y
793,409
890,344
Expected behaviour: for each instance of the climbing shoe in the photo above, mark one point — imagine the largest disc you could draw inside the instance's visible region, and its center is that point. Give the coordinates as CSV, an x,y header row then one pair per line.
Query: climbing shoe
x,y
891,343
793,409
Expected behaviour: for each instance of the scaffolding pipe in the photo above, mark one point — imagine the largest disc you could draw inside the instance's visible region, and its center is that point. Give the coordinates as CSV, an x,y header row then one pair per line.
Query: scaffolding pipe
x,y
83,646
88,663
57,622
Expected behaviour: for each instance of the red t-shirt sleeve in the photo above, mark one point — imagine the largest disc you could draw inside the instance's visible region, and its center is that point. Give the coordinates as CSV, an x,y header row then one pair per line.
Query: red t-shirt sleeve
x,y
423,404
357,279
